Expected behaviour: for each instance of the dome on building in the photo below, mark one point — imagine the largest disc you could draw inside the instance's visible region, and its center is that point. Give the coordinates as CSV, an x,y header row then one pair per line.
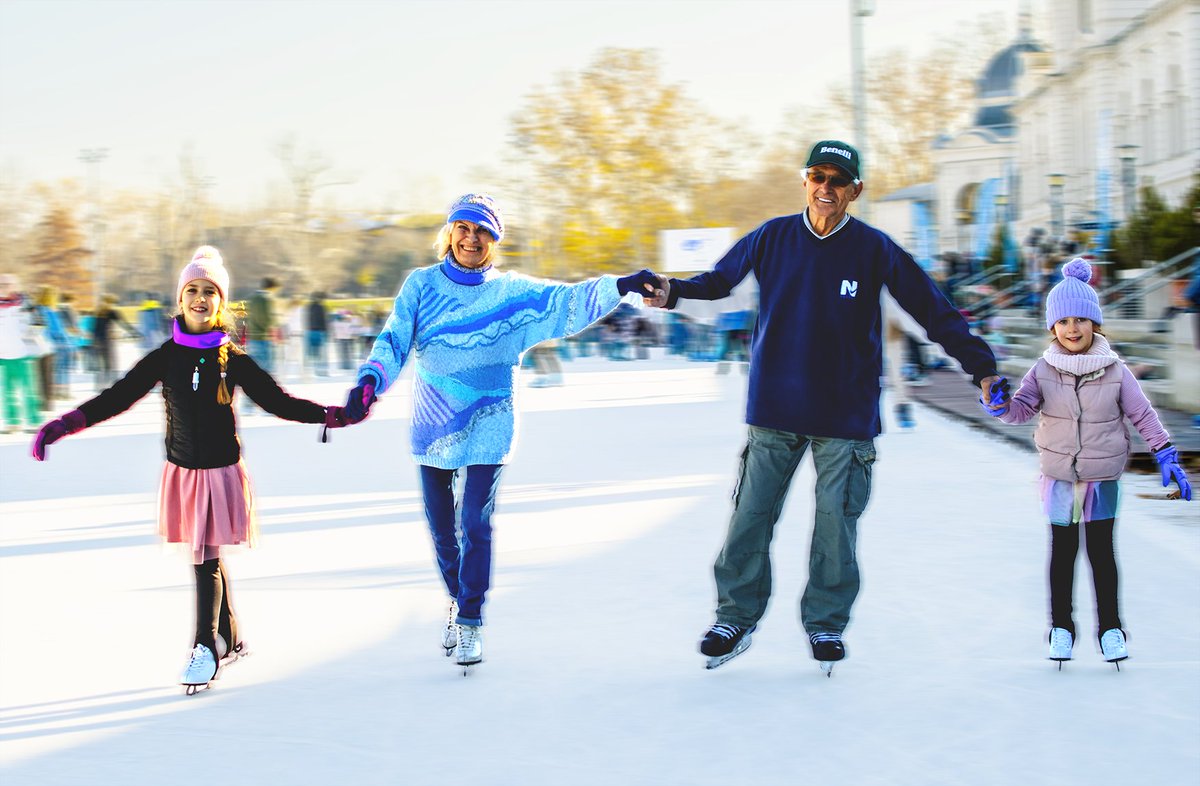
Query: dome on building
x,y
996,89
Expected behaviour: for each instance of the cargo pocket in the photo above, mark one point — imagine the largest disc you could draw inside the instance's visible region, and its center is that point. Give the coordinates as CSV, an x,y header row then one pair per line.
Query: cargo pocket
x,y
858,488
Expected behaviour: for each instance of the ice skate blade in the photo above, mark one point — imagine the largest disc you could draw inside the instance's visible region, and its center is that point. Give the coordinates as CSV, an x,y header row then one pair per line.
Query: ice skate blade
x,y
192,690
718,660
467,668
448,651
827,667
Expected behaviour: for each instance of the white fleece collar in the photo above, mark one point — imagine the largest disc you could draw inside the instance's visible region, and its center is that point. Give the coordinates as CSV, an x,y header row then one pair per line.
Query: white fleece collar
x,y
1098,357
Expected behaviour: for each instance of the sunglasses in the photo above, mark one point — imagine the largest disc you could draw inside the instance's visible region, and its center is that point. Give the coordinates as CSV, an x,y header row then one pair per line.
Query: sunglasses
x,y
837,181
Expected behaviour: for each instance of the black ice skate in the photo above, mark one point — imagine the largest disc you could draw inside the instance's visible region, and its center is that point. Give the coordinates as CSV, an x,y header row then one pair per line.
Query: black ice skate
x,y
723,643
827,649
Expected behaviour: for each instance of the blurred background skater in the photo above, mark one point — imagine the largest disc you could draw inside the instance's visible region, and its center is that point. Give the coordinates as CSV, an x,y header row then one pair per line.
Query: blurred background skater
x,y
1082,392
153,323
205,498
18,358
293,340
63,332
49,336
472,324
344,331
261,325
104,340
316,332
814,382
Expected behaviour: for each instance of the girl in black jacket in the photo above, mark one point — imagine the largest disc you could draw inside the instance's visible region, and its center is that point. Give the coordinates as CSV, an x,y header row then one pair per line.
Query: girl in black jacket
x,y
204,496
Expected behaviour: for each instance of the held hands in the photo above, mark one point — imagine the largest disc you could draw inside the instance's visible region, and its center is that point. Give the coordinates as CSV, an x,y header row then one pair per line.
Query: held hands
x,y
358,406
1168,461
359,401
57,429
651,286
995,396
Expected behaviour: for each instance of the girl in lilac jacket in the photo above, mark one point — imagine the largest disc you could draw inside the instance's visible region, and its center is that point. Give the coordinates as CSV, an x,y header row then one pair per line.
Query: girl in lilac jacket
x,y
1082,393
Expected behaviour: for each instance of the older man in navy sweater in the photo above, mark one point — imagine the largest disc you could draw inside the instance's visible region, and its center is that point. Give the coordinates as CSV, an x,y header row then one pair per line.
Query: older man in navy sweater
x,y
815,366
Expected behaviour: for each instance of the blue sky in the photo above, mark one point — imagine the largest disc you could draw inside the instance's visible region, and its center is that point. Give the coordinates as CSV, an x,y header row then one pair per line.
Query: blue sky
x,y
410,100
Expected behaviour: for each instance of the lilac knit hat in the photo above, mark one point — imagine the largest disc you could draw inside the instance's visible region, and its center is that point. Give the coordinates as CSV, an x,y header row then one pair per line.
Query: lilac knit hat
x,y
207,264
1073,296
478,209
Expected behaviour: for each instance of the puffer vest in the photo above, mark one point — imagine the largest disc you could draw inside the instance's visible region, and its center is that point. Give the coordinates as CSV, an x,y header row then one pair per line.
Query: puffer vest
x,y
1081,432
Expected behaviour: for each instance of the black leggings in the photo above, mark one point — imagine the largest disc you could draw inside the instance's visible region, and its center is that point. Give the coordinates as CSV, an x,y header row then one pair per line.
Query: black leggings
x,y
1064,546
214,611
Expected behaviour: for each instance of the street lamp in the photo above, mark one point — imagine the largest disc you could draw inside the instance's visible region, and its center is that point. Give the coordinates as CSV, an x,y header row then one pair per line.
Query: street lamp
x,y
1057,182
93,157
859,10
1128,154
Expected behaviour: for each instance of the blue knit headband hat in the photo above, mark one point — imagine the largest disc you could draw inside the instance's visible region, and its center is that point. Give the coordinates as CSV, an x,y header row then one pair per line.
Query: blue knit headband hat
x,y
478,209
1073,296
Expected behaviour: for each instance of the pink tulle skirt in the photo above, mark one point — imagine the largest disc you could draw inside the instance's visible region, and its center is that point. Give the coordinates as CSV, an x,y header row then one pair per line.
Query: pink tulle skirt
x,y
206,508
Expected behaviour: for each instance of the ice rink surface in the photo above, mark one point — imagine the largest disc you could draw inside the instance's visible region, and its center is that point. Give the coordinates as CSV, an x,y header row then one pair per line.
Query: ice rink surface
x,y
608,521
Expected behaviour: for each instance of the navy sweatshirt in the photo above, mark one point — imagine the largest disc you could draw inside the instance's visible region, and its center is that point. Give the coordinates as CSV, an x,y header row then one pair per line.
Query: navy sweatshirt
x,y
816,352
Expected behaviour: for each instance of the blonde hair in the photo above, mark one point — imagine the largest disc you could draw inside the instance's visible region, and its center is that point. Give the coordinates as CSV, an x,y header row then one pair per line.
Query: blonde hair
x,y
443,245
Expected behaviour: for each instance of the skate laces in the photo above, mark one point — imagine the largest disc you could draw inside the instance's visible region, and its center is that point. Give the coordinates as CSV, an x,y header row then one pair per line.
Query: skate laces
x,y
1112,642
725,631
1060,638
819,637
201,659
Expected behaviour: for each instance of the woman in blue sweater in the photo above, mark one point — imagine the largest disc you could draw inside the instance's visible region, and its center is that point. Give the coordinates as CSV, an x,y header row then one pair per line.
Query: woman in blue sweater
x,y
466,326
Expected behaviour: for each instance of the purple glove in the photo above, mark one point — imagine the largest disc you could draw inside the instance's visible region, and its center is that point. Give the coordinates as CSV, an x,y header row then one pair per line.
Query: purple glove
x,y
637,283
57,429
335,417
359,400
1168,461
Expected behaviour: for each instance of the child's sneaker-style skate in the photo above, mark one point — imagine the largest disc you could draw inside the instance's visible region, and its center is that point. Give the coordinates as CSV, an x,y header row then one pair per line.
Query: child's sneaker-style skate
x,y
450,632
468,651
200,671
1112,644
724,642
1061,642
827,649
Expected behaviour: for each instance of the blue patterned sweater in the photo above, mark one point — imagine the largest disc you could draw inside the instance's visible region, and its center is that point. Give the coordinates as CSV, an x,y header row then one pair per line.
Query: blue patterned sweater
x,y
467,332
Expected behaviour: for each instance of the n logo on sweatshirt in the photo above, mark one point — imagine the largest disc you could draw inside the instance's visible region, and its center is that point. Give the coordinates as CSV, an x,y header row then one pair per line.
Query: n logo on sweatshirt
x,y
849,288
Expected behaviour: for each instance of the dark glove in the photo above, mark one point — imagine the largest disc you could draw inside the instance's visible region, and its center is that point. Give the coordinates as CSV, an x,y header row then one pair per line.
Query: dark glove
x,y
57,429
1168,461
997,395
638,283
359,400
335,417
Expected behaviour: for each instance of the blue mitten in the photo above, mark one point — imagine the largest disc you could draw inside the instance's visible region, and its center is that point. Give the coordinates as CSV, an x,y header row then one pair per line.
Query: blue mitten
x,y
638,283
1168,461
997,395
360,399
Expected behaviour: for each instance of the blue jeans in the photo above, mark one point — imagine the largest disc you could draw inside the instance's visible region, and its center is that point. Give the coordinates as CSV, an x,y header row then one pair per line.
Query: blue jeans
x,y
743,568
464,553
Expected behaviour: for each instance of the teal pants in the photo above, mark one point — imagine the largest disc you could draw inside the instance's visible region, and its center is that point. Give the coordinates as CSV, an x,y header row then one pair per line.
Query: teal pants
x,y
20,391
743,568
